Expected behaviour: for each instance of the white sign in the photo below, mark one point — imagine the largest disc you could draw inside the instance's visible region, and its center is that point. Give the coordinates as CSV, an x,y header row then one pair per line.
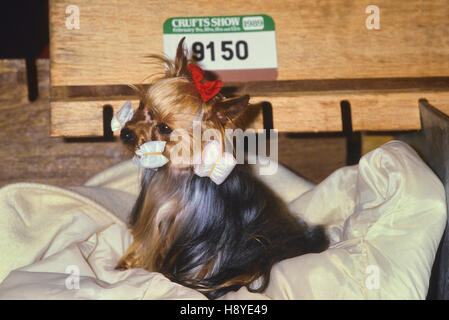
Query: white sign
x,y
235,47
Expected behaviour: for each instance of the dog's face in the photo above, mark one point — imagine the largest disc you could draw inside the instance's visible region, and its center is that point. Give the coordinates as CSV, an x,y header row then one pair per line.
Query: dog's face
x,y
172,109
169,105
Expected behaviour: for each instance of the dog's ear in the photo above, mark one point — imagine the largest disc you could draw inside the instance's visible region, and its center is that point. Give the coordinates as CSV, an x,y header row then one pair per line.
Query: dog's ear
x,y
230,109
181,61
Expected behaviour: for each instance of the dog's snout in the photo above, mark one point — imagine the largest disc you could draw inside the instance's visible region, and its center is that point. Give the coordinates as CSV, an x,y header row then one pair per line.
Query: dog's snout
x,y
127,136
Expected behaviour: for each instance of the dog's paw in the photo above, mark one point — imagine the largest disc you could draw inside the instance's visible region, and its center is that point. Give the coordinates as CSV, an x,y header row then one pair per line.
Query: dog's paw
x,y
130,260
122,265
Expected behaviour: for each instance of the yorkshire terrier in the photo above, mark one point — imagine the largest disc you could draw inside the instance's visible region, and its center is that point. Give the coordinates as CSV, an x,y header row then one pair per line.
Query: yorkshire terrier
x,y
212,227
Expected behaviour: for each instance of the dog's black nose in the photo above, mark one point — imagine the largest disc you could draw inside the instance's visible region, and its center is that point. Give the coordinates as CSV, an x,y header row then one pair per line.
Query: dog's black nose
x,y
127,135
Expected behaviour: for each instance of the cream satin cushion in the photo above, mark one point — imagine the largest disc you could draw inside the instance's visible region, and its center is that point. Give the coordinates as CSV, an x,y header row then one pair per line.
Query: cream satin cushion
x,y
385,218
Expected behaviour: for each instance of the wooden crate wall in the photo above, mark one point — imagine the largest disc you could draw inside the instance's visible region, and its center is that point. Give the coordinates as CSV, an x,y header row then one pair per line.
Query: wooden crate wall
x,y
325,55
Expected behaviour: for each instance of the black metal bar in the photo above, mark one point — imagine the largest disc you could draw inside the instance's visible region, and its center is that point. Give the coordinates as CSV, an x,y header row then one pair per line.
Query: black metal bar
x,y
32,81
353,139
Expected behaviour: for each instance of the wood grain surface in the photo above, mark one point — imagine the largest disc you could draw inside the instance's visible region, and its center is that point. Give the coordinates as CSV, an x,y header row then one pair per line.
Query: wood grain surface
x,y
315,39
326,54
307,112
29,154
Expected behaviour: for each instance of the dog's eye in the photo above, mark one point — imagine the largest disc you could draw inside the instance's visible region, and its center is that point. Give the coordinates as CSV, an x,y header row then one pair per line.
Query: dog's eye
x,y
163,128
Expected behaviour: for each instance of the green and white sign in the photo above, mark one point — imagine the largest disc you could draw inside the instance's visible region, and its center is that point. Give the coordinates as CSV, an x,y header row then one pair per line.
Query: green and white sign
x,y
237,48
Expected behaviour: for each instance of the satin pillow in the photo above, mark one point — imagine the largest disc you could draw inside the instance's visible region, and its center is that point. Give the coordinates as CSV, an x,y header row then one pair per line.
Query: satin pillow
x,y
385,219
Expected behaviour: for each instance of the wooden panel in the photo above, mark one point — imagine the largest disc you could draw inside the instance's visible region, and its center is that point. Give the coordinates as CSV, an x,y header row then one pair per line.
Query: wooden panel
x,y
81,118
272,88
391,111
290,114
305,113
85,118
372,141
27,153
315,39
441,102
314,157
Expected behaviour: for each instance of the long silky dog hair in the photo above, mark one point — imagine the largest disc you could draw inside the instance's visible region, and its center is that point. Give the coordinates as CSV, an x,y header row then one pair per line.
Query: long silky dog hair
x,y
213,238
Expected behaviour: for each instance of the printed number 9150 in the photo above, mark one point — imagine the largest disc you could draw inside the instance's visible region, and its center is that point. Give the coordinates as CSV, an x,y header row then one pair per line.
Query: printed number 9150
x,y
228,50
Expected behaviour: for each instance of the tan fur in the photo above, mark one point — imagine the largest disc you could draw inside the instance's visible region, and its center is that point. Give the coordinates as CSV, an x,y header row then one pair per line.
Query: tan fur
x,y
174,100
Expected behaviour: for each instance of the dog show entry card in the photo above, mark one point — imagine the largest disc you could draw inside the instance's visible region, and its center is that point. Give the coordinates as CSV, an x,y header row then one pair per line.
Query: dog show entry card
x,y
236,48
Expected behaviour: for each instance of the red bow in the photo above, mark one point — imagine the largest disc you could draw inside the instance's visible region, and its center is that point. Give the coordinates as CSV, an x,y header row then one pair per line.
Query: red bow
x,y
208,89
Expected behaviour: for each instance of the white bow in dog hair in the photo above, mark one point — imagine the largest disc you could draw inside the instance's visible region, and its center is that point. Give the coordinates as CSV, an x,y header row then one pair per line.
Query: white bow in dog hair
x,y
122,117
150,155
215,165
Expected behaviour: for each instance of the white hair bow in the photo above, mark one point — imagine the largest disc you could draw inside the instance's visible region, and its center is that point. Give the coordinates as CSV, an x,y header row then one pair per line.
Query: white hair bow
x,y
150,155
215,164
122,117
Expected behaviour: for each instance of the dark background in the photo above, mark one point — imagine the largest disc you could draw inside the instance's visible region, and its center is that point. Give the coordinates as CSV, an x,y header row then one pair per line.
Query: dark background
x,y
24,29
24,34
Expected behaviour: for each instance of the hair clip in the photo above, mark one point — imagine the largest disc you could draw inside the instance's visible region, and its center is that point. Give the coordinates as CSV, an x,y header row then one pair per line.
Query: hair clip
x,y
215,165
208,89
149,155
119,119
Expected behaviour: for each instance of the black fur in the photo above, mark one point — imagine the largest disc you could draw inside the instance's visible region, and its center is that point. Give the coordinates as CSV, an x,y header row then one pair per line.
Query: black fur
x,y
241,224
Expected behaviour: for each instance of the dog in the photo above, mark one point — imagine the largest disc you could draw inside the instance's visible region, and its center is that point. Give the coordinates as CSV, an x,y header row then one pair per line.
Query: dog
x,y
212,236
